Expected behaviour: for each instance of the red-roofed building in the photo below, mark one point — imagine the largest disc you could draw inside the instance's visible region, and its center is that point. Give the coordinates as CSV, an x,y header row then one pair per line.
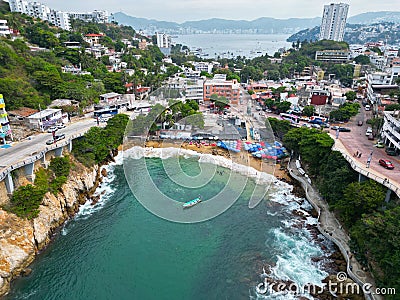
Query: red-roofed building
x,y
93,38
129,88
142,92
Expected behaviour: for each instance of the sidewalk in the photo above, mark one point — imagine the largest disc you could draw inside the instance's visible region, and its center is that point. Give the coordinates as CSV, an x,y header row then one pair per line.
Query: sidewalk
x,y
330,227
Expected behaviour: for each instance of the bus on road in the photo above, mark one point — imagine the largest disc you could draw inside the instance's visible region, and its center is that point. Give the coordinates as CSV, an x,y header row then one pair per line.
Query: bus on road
x,y
289,117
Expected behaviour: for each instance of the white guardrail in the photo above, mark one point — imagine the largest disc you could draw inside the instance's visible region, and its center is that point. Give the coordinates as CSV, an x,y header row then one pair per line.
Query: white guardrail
x,y
5,171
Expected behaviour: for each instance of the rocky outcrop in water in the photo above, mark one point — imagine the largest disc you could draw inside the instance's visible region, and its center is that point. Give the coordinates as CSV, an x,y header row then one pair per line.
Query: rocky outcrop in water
x,y
21,239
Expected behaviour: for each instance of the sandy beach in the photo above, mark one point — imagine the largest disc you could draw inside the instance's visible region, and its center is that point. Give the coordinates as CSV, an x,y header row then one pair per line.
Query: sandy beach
x,y
275,168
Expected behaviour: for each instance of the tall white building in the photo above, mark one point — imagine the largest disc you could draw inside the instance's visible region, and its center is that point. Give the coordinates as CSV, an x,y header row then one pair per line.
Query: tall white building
x,y
60,19
334,21
163,40
38,10
19,6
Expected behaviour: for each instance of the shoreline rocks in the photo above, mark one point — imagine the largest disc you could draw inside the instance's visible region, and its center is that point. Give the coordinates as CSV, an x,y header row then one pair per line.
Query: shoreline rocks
x,y
21,240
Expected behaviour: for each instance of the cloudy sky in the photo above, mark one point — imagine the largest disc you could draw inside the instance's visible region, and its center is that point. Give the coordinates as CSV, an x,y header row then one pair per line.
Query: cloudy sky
x,y
188,10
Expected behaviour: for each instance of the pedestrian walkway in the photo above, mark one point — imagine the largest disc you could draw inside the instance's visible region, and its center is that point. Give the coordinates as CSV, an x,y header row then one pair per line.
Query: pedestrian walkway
x,y
330,227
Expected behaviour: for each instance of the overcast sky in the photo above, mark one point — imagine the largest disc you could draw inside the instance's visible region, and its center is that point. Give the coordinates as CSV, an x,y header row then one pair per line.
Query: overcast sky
x,y
188,10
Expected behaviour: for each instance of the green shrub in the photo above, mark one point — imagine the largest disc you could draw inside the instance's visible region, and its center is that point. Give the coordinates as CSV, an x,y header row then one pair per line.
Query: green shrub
x,y
25,201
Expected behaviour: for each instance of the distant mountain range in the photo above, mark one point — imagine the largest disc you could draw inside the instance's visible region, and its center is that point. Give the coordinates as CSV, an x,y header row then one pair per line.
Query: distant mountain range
x,y
263,25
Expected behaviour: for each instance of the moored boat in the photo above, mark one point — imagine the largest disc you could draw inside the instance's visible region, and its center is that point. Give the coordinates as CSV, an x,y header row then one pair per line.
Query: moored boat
x,y
192,202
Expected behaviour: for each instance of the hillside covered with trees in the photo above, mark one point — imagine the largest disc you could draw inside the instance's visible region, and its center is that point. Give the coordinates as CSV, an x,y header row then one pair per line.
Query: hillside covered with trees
x,y
34,78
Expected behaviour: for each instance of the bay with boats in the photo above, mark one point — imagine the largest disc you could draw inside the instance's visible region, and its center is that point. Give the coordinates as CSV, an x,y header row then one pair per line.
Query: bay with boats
x,y
232,45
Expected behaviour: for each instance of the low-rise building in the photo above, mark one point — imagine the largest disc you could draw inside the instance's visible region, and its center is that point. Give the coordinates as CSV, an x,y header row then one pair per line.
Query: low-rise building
x,y
4,30
203,66
194,90
44,118
98,16
333,56
93,39
110,97
222,87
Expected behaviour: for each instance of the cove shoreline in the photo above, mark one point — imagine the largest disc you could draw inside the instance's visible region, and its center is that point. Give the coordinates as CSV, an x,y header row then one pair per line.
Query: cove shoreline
x,y
86,193
338,261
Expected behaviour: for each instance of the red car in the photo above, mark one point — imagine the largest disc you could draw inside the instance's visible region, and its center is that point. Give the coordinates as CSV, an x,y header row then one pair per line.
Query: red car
x,y
386,163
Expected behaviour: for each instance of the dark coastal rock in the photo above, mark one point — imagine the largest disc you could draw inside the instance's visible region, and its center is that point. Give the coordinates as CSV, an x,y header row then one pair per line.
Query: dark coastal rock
x,y
103,172
26,272
95,199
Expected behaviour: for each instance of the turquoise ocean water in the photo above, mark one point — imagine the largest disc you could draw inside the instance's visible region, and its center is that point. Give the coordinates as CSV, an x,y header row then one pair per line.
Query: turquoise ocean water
x,y
118,250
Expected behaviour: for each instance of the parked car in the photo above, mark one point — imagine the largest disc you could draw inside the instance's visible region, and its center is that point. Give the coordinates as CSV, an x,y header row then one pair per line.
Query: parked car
x,y
367,107
59,137
379,144
60,125
386,163
316,126
360,123
371,137
369,131
341,129
51,129
392,151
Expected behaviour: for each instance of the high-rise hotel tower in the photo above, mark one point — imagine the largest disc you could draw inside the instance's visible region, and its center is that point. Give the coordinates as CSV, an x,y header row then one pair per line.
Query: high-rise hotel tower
x,y
334,21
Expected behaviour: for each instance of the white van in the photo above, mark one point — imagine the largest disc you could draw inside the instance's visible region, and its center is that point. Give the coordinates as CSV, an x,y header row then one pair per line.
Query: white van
x,y
369,131
367,107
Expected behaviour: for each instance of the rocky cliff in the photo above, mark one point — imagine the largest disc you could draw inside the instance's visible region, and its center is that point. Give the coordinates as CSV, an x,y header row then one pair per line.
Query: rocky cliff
x,y
20,239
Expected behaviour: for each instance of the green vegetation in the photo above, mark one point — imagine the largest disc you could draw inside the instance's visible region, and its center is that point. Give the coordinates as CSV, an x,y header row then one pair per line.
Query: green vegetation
x,y
219,101
309,110
392,107
313,145
371,222
33,79
362,60
95,146
26,199
345,112
280,128
351,95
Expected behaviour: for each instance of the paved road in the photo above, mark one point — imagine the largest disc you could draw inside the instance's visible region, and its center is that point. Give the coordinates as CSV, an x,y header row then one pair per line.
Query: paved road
x,y
356,140
24,149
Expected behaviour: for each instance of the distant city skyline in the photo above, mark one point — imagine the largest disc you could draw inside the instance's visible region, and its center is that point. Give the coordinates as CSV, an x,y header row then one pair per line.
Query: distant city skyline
x,y
191,10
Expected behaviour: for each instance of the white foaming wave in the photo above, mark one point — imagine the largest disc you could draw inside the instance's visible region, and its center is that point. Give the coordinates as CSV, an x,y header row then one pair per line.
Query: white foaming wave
x,y
277,296
311,220
284,197
295,262
104,192
164,153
